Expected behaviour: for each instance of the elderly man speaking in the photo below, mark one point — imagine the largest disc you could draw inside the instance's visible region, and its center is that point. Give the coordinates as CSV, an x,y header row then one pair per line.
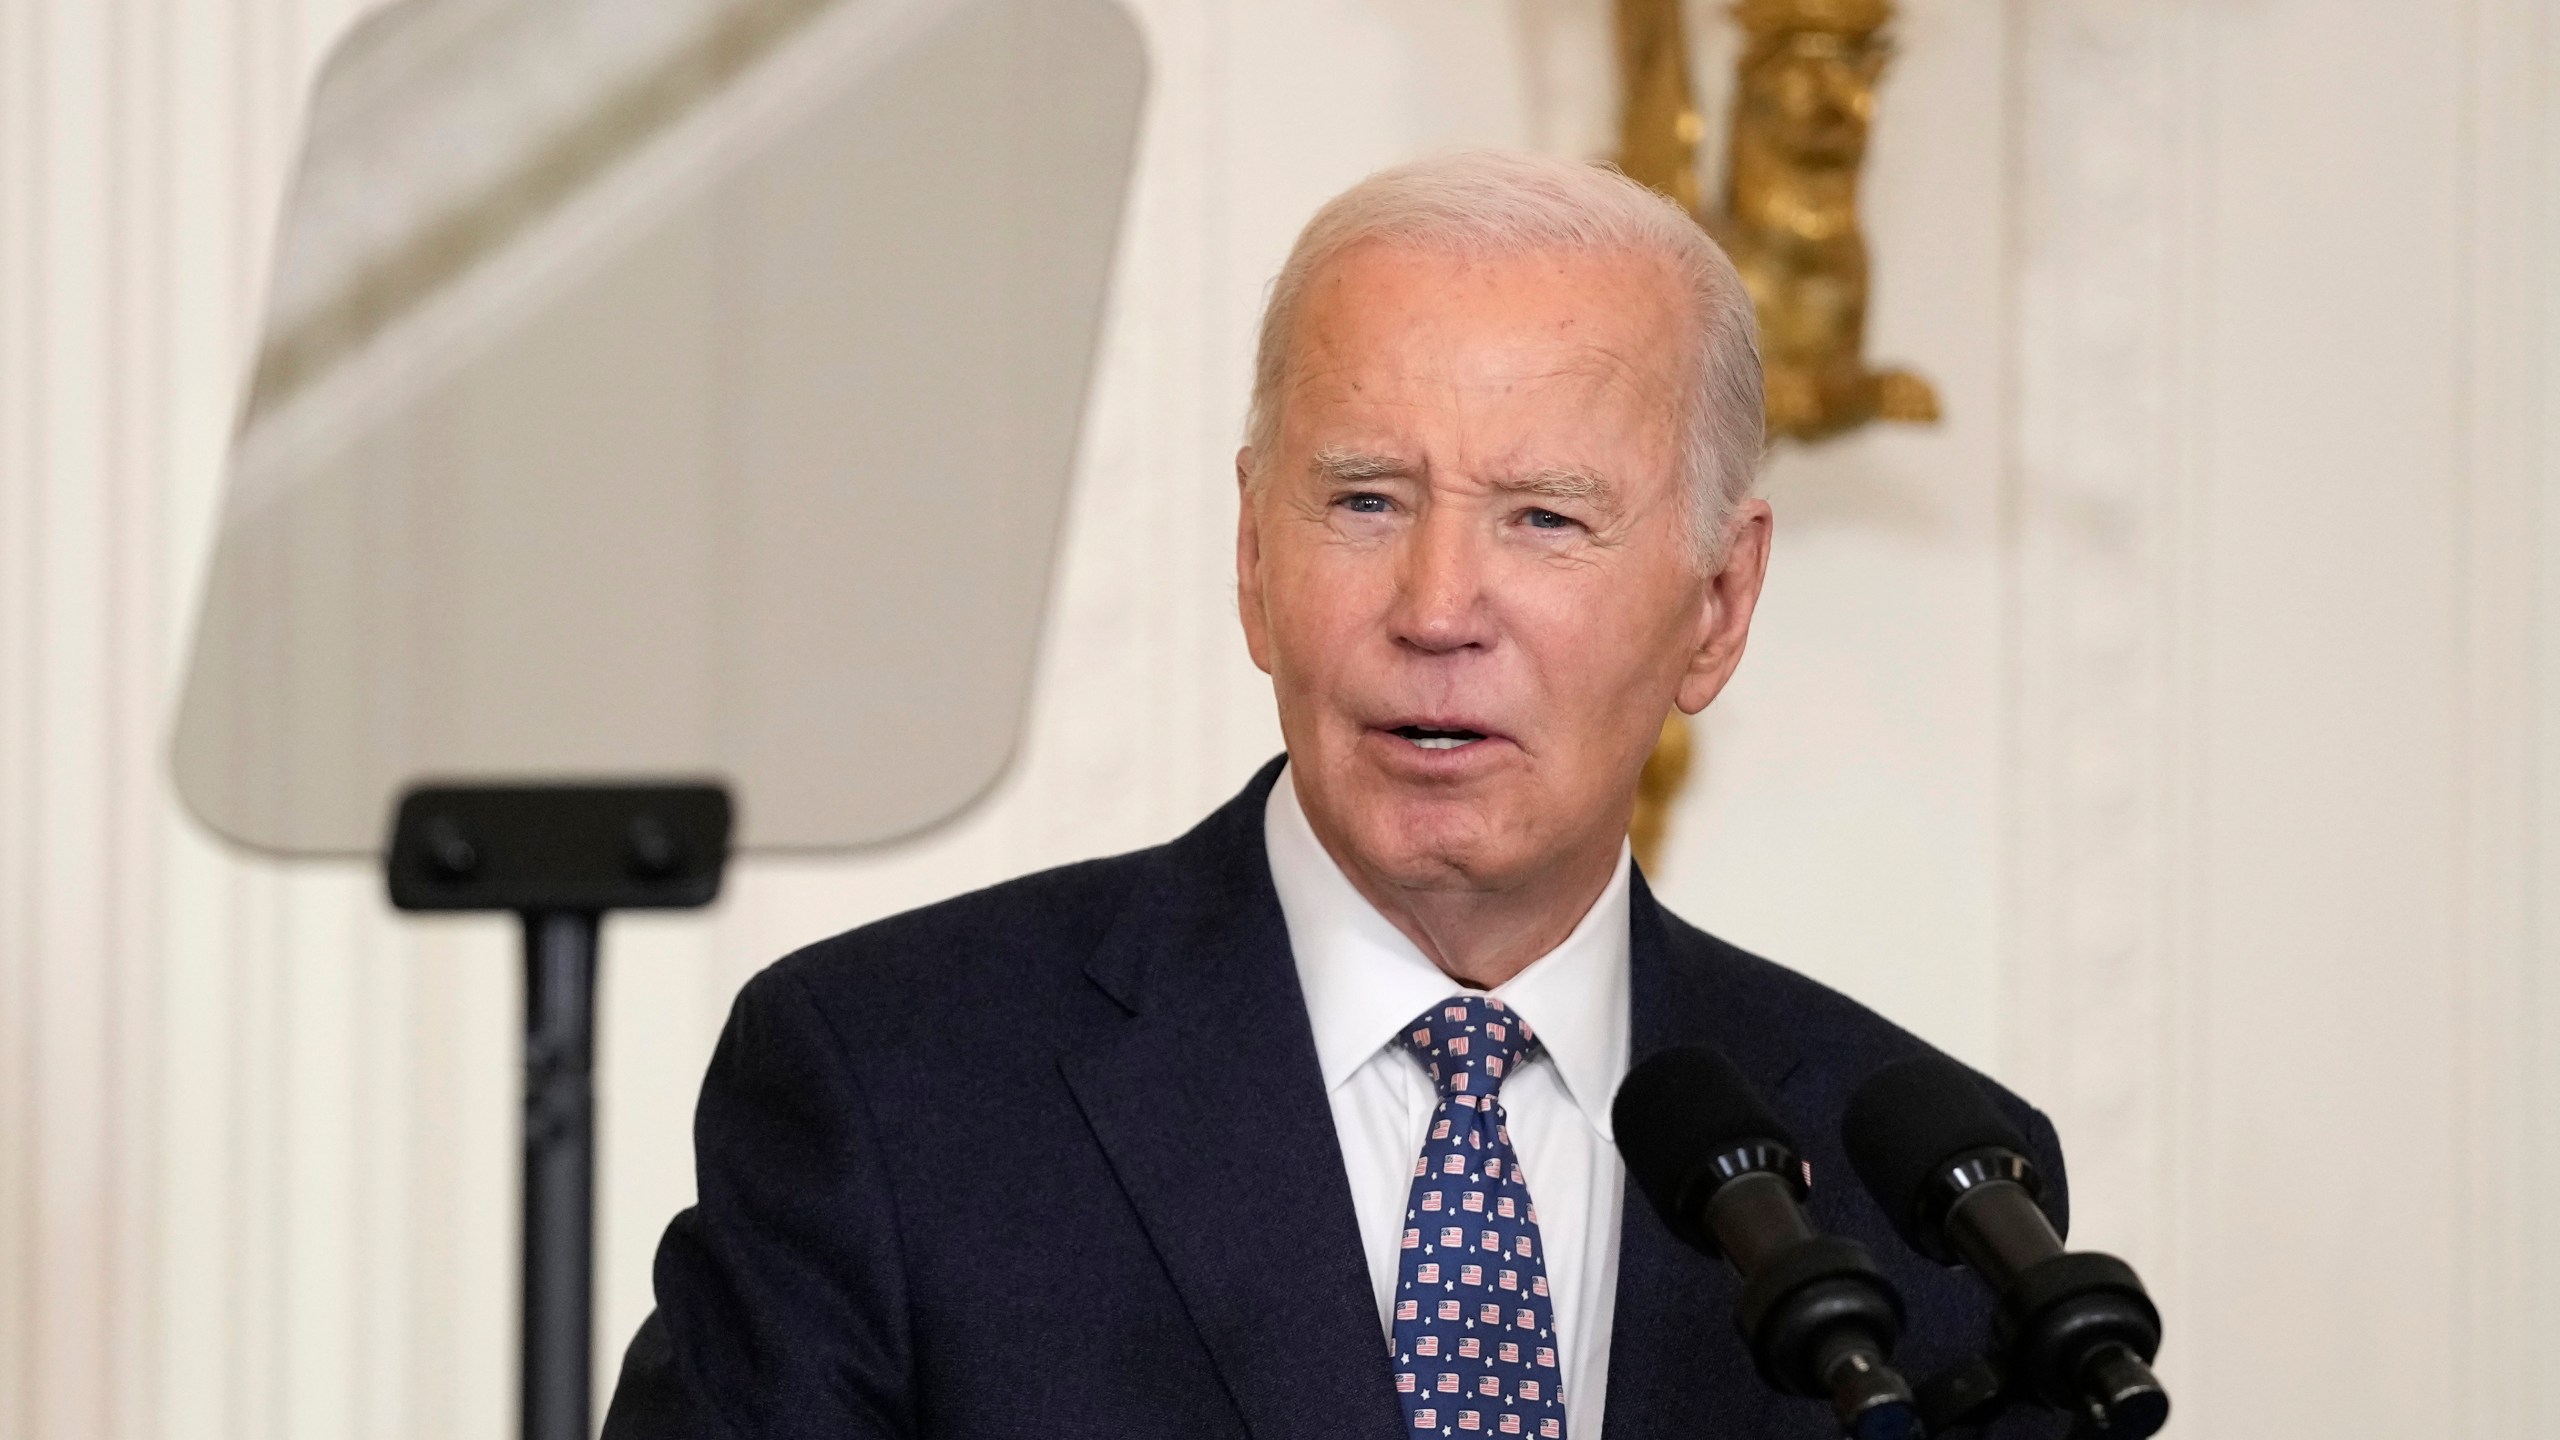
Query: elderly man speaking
x,y
1298,1128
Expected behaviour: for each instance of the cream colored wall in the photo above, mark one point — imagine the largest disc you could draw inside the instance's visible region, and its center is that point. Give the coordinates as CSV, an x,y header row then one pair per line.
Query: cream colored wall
x,y
2283,512
2168,731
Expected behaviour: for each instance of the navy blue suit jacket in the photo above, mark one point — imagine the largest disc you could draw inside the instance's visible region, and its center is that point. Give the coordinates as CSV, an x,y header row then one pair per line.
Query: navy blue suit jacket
x,y
1055,1160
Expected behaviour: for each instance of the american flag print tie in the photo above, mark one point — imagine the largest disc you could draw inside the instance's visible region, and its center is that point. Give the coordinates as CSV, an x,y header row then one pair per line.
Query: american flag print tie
x,y
1475,1332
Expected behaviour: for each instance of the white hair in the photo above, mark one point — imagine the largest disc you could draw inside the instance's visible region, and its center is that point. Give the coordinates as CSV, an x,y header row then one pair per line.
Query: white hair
x,y
1506,202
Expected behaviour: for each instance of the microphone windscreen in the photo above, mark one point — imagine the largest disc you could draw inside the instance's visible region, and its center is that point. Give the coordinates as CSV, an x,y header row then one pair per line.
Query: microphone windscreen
x,y
1908,1119
1674,1114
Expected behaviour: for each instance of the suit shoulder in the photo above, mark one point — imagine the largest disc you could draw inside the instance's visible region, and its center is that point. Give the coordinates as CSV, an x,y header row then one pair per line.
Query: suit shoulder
x,y
1811,1011
1843,1041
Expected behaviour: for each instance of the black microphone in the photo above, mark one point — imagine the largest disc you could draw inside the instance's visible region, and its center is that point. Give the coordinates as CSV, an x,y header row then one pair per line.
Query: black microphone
x,y
1816,1314
2077,1330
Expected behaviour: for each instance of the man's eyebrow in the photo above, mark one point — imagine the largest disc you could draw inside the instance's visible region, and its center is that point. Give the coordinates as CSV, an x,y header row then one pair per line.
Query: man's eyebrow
x,y
1563,483
1557,482
1347,465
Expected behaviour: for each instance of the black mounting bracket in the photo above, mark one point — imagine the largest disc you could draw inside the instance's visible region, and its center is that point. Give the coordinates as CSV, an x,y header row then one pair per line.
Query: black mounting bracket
x,y
560,856
543,848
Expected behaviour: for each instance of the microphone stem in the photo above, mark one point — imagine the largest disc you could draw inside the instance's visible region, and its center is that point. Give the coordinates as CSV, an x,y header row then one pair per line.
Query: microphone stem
x,y
1751,1232
1999,1252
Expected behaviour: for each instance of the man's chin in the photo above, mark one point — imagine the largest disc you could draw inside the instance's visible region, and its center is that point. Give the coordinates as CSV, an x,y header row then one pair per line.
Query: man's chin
x,y
1421,820
1439,845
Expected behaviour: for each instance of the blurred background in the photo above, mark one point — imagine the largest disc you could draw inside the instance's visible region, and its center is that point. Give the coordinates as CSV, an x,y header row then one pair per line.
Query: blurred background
x,y
2172,730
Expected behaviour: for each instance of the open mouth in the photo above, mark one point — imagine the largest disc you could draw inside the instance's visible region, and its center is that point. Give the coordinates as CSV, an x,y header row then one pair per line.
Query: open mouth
x,y
1424,737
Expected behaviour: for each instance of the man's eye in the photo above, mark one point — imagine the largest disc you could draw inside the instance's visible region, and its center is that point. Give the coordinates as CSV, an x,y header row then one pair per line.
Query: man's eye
x,y
1546,520
1365,504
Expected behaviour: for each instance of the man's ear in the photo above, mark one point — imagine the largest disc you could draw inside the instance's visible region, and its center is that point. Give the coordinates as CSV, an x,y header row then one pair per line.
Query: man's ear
x,y
1257,641
1732,594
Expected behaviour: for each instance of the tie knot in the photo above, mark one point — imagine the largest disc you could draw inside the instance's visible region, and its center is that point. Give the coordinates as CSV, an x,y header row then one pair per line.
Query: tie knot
x,y
1469,1043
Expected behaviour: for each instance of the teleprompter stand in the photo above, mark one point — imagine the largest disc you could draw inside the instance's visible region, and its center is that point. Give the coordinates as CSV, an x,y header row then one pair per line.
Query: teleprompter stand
x,y
572,507
560,857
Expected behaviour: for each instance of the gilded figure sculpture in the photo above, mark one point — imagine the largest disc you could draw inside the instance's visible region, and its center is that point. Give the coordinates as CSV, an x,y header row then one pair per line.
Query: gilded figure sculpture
x,y
1659,124
1804,99
1665,771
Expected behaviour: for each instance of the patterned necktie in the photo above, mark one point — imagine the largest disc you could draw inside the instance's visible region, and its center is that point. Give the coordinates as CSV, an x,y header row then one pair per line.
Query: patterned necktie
x,y
1475,1331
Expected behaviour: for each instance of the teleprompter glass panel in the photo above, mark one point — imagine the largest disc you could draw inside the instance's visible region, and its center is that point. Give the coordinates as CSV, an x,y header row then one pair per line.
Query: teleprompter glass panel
x,y
686,399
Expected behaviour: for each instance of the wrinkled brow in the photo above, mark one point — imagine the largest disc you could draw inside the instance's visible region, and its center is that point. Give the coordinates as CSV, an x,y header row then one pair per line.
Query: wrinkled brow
x,y
1552,483
1346,465
1563,483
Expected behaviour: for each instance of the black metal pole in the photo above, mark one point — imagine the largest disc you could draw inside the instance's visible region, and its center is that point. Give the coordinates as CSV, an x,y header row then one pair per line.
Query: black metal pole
x,y
560,857
559,1171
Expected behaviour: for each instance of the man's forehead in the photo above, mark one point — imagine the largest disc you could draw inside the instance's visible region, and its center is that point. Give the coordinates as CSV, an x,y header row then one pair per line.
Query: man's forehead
x,y
1352,428
1566,408
1422,279
1384,363
1390,325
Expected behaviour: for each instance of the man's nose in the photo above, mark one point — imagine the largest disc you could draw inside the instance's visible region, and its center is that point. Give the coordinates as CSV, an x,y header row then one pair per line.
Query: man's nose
x,y
1440,600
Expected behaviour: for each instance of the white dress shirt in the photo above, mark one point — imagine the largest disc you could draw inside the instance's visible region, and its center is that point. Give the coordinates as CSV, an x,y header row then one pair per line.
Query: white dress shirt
x,y
1363,980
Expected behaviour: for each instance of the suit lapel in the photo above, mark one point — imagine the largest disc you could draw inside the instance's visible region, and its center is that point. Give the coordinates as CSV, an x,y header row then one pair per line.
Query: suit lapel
x,y
1209,1103
1211,1108
1676,1366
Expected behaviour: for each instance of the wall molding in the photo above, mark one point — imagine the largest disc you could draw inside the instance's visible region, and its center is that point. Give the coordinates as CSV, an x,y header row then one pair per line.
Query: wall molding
x,y
2103,194
2122,971
2505,445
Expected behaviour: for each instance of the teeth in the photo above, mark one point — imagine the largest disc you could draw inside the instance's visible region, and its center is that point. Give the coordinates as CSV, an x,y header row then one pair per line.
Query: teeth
x,y
1441,742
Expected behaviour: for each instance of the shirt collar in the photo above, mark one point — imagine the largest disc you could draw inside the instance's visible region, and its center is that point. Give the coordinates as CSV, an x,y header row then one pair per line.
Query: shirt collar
x,y
1363,979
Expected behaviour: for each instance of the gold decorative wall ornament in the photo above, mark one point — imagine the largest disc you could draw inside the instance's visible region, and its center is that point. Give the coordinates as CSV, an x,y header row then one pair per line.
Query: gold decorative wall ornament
x,y
1804,100
1804,97
1659,125
1665,771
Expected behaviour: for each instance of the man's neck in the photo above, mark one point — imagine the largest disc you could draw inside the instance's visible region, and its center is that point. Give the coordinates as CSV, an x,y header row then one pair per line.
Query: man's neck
x,y
1482,937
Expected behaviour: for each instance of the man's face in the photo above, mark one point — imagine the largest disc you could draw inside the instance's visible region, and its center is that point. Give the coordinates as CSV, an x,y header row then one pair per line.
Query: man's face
x,y
1468,569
